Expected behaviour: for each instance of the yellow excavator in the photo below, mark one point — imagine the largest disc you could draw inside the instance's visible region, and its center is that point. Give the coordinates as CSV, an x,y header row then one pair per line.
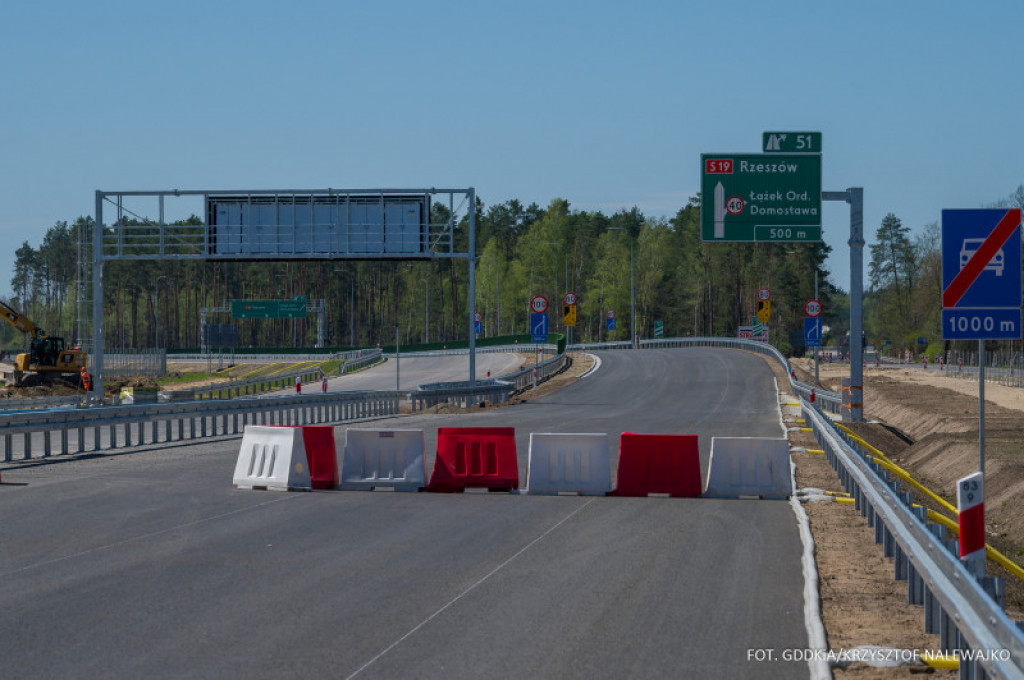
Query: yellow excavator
x,y
47,358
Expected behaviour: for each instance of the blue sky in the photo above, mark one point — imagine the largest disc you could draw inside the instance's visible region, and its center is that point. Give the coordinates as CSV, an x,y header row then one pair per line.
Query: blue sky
x,y
606,104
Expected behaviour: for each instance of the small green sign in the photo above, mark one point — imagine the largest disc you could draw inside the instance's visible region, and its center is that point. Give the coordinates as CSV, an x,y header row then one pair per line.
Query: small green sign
x,y
269,309
659,329
760,197
791,142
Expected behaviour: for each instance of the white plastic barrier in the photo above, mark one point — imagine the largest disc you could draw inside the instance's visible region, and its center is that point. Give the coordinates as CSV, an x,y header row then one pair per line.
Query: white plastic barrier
x,y
383,459
569,463
749,466
272,458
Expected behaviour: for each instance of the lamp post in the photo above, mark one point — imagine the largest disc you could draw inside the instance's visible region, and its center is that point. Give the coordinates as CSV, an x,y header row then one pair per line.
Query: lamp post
x,y
291,287
351,306
632,287
497,291
565,254
156,310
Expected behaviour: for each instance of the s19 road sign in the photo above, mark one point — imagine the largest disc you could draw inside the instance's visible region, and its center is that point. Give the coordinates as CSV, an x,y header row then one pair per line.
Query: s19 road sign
x,y
779,197
269,309
981,274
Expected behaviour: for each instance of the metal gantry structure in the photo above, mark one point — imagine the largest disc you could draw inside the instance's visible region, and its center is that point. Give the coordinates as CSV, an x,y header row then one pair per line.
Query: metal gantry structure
x,y
281,225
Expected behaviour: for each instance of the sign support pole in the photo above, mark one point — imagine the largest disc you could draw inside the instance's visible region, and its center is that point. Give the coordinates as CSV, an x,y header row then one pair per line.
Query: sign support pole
x,y
471,259
981,406
855,197
816,382
97,304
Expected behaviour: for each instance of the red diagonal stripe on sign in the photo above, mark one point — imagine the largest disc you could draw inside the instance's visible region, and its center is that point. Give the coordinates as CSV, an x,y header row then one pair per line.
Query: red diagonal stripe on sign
x,y
969,274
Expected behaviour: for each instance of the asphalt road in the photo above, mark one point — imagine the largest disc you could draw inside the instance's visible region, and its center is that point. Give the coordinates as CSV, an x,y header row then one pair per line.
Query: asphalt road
x,y
152,565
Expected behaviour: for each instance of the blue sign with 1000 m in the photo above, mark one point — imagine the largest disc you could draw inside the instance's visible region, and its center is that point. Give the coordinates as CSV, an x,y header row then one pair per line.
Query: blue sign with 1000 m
x,y
981,274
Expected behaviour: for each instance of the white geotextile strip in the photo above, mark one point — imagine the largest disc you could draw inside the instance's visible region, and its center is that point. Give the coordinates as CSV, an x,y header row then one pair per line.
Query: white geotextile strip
x,y
819,667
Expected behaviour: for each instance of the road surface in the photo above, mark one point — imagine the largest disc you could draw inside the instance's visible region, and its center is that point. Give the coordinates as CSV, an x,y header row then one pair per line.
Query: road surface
x,y
152,565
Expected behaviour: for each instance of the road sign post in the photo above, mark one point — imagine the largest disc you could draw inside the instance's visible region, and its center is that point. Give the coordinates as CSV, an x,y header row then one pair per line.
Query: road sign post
x,y
539,327
981,285
761,197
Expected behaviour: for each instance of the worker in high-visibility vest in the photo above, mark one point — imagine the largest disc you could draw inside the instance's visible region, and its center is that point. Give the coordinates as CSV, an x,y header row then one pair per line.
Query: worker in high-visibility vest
x,y
86,380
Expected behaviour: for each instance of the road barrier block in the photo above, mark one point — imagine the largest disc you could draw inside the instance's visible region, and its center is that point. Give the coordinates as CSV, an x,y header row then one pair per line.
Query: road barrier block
x,y
569,463
272,458
749,466
483,457
321,454
383,459
658,464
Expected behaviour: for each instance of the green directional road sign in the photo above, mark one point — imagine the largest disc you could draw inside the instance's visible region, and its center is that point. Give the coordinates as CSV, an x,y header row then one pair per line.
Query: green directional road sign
x,y
760,197
791,142
659,329
269,309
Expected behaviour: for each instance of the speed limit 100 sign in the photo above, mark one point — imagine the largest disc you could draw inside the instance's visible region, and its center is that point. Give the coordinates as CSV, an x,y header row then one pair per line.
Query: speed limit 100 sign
x,y
569,299
539,304
764,294
812,308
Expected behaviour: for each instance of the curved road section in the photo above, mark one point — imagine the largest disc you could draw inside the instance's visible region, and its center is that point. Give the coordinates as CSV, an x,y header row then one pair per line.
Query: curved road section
x,y
152,565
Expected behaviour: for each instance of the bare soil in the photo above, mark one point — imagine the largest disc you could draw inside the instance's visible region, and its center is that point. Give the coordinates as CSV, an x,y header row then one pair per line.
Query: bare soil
x,y
861,603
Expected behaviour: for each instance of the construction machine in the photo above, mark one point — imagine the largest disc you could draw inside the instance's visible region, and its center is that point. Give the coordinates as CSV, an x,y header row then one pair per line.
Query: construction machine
x,y
48,357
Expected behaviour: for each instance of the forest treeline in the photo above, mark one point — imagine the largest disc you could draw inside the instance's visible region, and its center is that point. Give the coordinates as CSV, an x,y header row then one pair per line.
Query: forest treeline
x,y
692,288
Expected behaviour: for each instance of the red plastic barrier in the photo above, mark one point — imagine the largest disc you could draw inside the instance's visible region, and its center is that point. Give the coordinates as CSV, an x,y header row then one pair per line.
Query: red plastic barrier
x,y
658,463
321,455
475,457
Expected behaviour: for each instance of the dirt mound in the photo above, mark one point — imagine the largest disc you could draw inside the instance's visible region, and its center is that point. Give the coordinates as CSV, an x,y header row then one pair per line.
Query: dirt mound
x,y
937,417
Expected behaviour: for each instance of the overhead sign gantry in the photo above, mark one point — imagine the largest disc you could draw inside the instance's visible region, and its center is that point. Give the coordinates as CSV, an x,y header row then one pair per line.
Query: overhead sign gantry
x,y
282,225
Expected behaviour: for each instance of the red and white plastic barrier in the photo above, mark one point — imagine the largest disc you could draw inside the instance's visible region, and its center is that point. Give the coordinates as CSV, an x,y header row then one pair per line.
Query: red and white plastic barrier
x,y
663,464
383,459
569,463
272,458
480,457
749,466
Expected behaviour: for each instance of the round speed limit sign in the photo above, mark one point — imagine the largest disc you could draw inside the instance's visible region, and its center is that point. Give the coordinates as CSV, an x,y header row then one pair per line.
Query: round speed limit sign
x,y
569,299
611,314
812,308
539,304
477,316
764,294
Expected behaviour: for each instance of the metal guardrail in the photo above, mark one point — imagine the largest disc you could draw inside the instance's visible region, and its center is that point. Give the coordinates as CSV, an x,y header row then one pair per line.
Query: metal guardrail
x,y
250,386
42,402
497,390
965,612
95,429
